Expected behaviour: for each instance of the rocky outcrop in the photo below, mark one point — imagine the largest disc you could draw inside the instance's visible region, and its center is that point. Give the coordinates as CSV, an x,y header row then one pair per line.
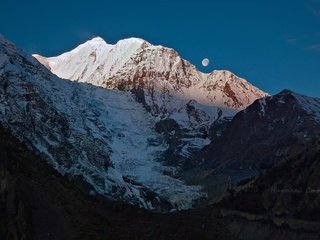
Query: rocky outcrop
x,y
167,126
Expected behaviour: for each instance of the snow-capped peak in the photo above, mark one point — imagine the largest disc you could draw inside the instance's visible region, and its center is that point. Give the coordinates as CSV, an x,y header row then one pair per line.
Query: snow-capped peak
x,y
92,61
131,40
134,62
96,43
96,39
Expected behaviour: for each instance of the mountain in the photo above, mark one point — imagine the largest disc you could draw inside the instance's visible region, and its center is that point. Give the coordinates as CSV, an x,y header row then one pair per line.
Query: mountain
x,y
169,87
262,167
266,134
253,172
103,136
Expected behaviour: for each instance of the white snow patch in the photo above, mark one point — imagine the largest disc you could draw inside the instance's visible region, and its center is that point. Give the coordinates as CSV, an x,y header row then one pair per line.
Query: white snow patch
x,y
263,104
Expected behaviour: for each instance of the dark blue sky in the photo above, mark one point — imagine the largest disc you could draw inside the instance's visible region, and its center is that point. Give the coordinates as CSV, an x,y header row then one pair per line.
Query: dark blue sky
x,y
274,44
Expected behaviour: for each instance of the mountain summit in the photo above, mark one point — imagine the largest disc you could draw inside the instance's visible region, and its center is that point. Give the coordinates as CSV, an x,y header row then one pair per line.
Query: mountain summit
x,y
133,62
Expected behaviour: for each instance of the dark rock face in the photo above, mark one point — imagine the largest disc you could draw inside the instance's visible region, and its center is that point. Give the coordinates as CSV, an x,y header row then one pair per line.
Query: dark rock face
x,y
218,127
172,133
139,95
166,126
26,211
14,217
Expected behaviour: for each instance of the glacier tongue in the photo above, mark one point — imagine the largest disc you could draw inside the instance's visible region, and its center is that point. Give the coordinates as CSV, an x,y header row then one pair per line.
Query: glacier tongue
x,y
105,136
136,150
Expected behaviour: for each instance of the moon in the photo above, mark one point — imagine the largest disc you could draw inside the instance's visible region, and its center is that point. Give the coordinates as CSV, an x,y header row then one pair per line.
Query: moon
x,y
205,62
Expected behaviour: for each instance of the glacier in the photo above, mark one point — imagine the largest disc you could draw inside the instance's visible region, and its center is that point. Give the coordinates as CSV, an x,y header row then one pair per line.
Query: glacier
x,y
103,136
